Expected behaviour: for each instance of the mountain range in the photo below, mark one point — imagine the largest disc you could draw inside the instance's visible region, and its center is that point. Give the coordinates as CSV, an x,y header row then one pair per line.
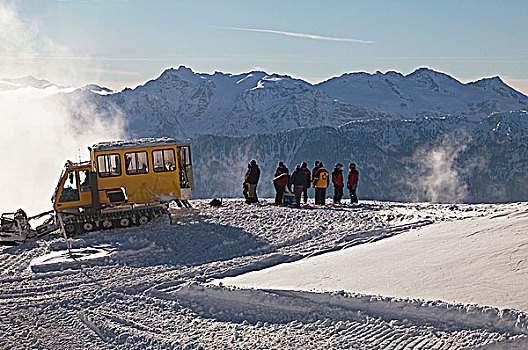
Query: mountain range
x,y
188,103
424,136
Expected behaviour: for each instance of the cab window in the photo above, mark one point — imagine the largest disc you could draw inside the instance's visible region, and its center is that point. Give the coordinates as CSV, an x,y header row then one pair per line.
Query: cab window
x,y
70,189
108,165
84,180
136,163
164,160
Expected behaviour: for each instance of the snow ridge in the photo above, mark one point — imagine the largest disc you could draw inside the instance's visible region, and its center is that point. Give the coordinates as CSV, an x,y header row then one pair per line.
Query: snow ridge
x,y
356,306
181,103
150,289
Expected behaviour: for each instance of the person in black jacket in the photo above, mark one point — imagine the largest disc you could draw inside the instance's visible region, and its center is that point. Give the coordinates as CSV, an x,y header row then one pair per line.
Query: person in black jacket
x,y
252,180
298,179
308,182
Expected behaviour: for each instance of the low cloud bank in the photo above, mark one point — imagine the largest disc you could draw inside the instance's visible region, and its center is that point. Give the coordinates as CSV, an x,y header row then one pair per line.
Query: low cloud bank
x,y
41,127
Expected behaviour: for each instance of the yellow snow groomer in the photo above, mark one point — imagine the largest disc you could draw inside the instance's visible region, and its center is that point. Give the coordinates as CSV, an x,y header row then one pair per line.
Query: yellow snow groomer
x,y
125,183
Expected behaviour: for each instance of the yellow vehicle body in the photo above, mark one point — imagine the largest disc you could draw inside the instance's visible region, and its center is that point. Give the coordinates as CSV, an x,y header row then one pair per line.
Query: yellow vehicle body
x,y
126,172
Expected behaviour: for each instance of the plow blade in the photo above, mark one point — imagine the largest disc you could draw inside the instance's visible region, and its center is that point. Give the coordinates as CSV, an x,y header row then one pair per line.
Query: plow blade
x,y
15,228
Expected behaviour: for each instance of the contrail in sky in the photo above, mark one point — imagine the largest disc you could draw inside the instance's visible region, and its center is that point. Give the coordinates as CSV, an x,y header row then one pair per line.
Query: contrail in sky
x,y
300,35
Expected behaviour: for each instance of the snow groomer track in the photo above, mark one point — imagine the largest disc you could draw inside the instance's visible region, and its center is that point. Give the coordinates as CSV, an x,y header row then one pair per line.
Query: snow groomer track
x,y
150,286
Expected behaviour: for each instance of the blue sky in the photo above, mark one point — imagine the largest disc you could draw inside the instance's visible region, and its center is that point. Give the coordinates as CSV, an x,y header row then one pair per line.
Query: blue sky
x,y
124,43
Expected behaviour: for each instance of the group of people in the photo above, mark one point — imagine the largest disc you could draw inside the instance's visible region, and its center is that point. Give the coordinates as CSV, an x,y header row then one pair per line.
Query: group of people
x,y
301,179
338,183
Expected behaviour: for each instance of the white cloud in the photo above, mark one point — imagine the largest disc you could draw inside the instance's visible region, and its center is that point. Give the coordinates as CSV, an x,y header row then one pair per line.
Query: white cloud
x,y
42,128
300,35
111,71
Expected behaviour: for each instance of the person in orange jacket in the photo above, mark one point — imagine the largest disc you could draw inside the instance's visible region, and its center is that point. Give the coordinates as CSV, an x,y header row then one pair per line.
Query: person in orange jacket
x,y
321,180
314,170
352,182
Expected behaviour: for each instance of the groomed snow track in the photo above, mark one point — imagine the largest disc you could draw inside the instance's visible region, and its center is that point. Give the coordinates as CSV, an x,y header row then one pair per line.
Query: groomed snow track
x,y
152,291
377,322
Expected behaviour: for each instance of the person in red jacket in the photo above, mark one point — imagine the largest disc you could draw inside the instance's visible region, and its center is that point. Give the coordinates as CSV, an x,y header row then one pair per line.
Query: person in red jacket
x,y
280,182
337,182
352,183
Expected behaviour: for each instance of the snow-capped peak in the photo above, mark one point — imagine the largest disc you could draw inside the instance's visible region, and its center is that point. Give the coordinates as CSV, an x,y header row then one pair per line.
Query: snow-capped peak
x,y
489,82
23,82
425,74
182,72
101,90
498,86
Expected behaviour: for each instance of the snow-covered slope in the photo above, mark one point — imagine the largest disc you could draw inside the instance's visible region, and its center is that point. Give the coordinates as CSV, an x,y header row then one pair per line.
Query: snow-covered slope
x,y
479,261
184,104
148,286
395,127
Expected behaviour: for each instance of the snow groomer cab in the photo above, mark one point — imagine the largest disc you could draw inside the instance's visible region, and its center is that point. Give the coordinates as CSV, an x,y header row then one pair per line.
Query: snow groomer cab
x,y
125,183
